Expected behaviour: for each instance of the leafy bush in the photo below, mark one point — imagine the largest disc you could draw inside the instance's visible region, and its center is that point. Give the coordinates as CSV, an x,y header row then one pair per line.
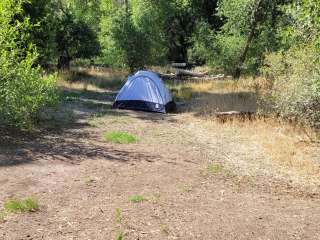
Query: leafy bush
x,y
203,44
294,82
124,43
75,39
218,50
23,92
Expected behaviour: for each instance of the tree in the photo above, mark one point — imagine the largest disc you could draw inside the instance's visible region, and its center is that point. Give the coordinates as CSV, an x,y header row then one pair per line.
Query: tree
x,y
42,15
131,35
23,91
255,14
75,39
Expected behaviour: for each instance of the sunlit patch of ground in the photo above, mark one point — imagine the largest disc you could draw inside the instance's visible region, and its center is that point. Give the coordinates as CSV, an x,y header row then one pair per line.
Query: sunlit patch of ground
x,y
189,176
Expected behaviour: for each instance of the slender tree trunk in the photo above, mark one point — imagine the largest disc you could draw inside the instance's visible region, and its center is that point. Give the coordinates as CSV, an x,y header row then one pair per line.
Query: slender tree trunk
x,y
126,3
253,24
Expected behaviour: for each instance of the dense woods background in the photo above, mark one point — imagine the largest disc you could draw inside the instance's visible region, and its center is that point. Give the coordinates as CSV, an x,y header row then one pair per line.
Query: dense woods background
x,y
276,39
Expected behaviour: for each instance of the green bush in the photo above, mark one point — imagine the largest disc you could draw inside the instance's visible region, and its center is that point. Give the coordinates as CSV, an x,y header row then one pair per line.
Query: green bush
x,y
124,43
294,81
23,91
218,50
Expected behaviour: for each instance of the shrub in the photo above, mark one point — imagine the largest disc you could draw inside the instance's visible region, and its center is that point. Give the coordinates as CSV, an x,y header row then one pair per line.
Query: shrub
x,y
125,44
23,91
218,50
294,84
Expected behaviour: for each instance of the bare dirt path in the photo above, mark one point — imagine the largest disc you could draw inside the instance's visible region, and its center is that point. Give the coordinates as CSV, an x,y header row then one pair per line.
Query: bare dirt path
x,y
200,181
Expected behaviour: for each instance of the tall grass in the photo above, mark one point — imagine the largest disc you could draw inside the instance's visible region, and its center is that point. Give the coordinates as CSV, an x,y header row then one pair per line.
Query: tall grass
x,y
93,79
208,97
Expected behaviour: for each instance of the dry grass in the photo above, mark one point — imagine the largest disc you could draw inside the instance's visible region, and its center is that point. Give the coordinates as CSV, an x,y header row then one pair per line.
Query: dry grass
x,y
92,79
209,97
290,146
81,86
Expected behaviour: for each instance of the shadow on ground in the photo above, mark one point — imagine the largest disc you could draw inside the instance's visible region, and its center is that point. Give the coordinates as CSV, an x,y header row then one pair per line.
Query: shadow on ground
x,y
207,104
70,148
64,135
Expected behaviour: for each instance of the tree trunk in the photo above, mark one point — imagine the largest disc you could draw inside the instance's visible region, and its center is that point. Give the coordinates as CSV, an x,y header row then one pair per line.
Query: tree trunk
x,y
64,63
126,3
253,25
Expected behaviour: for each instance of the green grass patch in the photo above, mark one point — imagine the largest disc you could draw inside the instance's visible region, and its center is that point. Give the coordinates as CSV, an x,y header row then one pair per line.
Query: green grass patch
x,y
137,198
120,137
21,205
214,169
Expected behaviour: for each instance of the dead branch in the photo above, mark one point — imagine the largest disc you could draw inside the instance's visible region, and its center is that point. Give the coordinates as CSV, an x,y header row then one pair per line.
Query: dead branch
x,y
181,72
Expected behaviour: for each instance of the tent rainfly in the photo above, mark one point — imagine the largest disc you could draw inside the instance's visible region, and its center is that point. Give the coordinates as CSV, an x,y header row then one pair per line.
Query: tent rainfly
x,y
145,91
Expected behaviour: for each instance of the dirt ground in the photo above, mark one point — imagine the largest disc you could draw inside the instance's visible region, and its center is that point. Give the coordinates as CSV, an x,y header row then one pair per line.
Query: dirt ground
x,y
83,183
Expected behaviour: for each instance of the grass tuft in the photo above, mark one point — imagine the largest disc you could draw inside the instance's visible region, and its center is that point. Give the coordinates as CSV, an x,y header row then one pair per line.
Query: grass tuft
x,y
137,198
120,137
2,216
118,215
21,205
119,236
165,229
185,188
214,168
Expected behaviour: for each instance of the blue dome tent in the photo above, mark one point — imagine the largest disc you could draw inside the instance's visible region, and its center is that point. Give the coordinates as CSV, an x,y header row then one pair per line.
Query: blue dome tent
x,y
145,91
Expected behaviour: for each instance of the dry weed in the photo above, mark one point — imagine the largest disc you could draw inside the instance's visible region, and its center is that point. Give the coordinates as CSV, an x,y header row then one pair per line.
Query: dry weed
x,y
92,79
288,146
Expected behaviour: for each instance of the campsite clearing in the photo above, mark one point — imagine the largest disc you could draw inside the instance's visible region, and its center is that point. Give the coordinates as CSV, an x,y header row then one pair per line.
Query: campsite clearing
x,y
186,178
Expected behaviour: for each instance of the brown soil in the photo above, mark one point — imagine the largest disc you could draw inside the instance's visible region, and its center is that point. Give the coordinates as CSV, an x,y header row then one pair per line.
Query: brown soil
x,y
83,183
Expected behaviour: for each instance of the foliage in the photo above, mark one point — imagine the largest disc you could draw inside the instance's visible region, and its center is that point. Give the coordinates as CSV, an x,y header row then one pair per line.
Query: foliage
x,y
132,37
300,24
294,80
203,41
23,91
247,32
75,39
218,50
42,35
62,27
294,73
163,27
132,44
